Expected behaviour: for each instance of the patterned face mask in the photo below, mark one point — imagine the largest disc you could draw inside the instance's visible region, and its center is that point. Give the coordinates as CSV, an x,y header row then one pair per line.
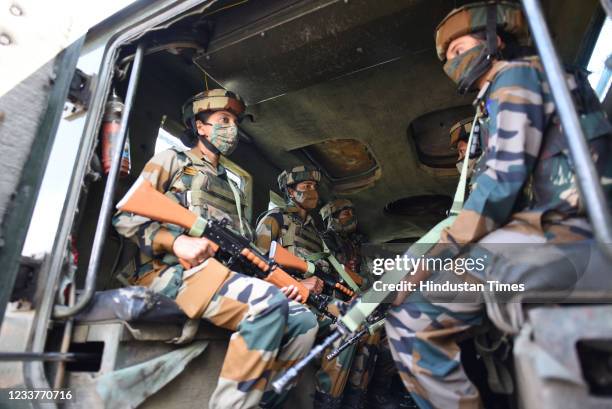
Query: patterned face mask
x,y
459,68
349,226
224,137
470,169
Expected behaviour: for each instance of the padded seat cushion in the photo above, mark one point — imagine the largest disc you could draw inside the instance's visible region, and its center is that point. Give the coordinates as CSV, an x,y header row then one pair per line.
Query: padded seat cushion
x,y
131,304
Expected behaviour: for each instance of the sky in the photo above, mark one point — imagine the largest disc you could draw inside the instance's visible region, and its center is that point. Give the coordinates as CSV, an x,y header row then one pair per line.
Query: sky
x,y
55,183
53,190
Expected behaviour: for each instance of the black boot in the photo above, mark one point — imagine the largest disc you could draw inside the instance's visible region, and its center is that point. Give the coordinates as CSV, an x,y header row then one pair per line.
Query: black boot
x,y
406,402
325,401
354,398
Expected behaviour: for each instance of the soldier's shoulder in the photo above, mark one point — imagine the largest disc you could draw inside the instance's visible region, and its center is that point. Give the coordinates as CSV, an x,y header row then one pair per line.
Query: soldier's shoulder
x,y
275,214
525,73
168,156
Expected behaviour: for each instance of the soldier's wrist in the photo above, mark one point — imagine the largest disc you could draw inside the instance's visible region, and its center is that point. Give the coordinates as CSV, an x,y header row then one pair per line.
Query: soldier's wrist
x,y
163,242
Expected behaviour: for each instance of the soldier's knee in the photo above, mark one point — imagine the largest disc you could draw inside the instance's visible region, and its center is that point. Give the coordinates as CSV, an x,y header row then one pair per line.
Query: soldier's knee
x,y
302,321
270,302
280,304
308,323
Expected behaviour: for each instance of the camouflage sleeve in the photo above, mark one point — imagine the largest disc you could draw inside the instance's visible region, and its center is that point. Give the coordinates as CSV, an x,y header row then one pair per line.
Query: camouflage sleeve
x,y
518,107
153,238
268,230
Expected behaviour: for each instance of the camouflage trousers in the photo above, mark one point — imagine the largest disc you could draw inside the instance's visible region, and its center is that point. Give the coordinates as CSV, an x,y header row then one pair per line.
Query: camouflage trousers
x,y
422,334
271,334
352,368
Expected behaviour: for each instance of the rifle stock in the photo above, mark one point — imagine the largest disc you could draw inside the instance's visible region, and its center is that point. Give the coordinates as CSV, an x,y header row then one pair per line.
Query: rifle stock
x,y
282,256
144,200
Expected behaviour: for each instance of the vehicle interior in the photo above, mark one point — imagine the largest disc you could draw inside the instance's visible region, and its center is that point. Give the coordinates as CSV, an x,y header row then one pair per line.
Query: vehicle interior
x,y
353,87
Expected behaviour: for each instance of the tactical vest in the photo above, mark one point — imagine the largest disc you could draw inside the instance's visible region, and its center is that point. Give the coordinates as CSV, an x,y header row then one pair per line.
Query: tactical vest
x,y
300,238
204,190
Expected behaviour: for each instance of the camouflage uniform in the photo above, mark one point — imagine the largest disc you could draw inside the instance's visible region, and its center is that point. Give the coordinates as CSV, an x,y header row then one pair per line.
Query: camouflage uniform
x,y
271,333
345,243
302,239
523,191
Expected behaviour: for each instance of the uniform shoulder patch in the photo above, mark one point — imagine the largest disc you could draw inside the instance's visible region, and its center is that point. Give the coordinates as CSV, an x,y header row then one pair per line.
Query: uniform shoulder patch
x,y
190,170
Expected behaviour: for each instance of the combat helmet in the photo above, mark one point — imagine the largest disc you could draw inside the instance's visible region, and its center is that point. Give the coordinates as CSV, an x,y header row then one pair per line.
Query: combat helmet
x,y
460,131
208,101
487,17
329,213
296,175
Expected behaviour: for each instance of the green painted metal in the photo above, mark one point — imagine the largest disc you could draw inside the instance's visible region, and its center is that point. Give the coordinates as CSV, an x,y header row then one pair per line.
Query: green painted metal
x,y
19,212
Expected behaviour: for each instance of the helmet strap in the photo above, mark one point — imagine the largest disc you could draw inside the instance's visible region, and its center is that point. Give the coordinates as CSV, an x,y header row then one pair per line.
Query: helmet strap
x,y
209,145
485,61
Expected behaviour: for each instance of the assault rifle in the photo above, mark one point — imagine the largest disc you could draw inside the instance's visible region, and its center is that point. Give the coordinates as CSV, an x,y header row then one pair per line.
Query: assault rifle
x,y
232,249
283,257
373,323
363,311
366,307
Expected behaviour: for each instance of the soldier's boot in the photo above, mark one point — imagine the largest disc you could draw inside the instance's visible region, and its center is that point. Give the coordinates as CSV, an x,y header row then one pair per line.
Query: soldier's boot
x,y
324,400
381,395
354,398
405,401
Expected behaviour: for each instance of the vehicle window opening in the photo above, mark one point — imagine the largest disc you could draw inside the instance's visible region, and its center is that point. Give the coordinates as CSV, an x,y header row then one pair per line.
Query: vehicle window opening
x,y
600,63
595,357
91,353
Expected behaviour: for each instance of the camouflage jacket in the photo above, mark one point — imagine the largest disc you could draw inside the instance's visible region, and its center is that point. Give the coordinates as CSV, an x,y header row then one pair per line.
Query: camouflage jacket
x,y
347,249
525,166
188,178
285,226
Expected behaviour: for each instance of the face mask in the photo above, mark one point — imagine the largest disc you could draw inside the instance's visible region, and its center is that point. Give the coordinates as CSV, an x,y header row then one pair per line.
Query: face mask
x,y
348,227
224,137
308,199
459,68
470,168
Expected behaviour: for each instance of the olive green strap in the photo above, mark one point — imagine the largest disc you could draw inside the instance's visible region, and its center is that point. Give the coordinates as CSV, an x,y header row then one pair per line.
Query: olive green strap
x,y
236,193
340,269
312,257
362,309
460,192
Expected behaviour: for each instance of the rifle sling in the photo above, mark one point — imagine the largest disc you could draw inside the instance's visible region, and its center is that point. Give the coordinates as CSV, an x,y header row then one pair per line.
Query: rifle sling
x,y
362,309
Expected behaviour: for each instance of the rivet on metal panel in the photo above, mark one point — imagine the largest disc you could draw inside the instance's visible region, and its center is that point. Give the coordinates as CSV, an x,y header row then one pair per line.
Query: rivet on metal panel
x,y
263,34
208,57
16,10
5,39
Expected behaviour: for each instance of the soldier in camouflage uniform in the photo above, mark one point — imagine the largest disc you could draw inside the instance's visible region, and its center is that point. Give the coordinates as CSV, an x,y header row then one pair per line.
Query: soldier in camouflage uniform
x,y
271,332
342,238
344,242
523,189
295,230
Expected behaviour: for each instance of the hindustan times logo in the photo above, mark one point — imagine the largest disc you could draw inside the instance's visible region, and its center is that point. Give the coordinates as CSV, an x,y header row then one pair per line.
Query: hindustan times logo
x,y
459,266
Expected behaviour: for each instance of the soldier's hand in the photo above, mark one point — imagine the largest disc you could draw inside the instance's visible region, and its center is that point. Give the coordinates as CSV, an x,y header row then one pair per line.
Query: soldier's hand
x,y
292,293
194,250
314,284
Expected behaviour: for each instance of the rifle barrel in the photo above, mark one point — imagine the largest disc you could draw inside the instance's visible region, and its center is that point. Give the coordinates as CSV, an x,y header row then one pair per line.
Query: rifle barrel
x,y
349,341
281,383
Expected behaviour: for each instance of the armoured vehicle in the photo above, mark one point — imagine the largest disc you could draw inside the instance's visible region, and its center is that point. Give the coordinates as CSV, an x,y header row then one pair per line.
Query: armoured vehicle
x,y
351,86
